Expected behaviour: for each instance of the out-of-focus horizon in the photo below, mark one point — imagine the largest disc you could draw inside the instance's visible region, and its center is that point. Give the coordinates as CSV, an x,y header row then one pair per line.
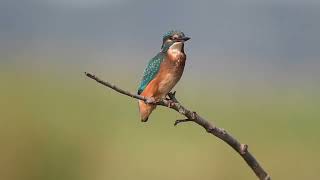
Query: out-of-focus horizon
x,y
253,67
281,30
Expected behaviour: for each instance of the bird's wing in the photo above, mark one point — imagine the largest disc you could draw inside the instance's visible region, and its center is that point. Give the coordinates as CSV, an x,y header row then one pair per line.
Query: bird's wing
x,y
151,71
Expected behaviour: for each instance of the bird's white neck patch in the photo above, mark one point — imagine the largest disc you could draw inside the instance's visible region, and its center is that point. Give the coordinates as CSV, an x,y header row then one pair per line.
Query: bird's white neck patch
x,y
177,46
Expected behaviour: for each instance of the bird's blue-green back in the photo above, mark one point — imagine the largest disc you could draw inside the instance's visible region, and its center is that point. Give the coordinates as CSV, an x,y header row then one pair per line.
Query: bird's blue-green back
x,y
151,71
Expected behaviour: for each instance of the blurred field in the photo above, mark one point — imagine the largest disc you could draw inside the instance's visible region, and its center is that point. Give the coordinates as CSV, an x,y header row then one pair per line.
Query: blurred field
x,y
64,126
253,69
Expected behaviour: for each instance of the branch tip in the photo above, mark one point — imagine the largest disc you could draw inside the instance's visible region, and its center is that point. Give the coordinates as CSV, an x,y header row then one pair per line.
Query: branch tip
x,y
193,116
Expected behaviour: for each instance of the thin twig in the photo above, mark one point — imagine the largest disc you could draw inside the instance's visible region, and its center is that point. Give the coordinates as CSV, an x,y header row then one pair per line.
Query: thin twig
x,y
222,134
181,121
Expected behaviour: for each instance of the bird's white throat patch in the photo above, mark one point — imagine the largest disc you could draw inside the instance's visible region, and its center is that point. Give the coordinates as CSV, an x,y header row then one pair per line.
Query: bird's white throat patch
x,y
175,53
177,46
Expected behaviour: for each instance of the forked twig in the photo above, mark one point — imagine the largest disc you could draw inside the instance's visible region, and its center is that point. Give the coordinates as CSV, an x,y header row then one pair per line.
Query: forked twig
x,y
222,134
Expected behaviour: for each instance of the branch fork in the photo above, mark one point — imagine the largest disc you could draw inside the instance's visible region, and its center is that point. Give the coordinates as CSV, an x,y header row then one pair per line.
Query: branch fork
x,y
172,103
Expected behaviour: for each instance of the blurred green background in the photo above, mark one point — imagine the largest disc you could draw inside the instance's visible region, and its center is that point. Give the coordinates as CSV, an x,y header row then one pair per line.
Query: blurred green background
x,y
253,69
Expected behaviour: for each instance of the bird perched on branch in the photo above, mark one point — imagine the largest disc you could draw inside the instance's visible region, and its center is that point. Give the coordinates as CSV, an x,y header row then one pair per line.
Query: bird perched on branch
x,y
163,71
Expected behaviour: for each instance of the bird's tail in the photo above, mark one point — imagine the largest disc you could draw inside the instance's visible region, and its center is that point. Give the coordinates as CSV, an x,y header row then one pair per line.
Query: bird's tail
x,y
145,110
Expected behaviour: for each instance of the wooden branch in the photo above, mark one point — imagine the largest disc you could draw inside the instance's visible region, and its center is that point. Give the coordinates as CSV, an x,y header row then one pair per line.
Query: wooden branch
x,y
222,134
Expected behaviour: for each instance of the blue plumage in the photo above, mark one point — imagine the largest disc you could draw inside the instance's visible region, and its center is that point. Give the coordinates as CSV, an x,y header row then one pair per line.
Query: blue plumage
x,y
151,71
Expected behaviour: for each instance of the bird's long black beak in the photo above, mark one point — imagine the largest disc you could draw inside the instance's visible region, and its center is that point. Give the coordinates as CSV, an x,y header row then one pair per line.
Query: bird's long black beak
x,y
185,39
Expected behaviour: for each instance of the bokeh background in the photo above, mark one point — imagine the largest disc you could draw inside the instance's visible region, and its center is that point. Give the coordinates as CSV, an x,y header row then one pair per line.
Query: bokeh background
x,y
253,69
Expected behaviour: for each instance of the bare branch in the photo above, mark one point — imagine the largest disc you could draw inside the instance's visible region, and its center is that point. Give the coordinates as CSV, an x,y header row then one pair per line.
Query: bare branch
x,y
222,134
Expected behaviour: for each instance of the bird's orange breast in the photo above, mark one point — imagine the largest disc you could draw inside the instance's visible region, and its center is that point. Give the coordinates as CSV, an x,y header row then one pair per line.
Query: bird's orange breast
x,y
170,72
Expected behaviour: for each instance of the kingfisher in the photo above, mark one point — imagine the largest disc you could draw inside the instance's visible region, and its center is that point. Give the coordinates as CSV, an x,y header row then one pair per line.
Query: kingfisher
x,y
163,71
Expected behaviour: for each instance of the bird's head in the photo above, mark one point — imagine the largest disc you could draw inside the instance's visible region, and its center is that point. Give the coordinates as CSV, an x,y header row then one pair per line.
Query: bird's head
x,y
173,37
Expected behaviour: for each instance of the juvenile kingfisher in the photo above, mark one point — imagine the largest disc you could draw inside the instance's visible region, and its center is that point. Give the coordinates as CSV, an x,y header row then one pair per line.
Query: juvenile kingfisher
x,y
163,71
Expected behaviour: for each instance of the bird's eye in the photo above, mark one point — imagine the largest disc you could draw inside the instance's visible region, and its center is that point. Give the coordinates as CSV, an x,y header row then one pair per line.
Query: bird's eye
x,y
174,38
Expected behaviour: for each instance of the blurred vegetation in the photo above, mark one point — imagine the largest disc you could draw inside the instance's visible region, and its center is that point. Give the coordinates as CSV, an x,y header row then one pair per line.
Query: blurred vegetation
x,y
64,126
